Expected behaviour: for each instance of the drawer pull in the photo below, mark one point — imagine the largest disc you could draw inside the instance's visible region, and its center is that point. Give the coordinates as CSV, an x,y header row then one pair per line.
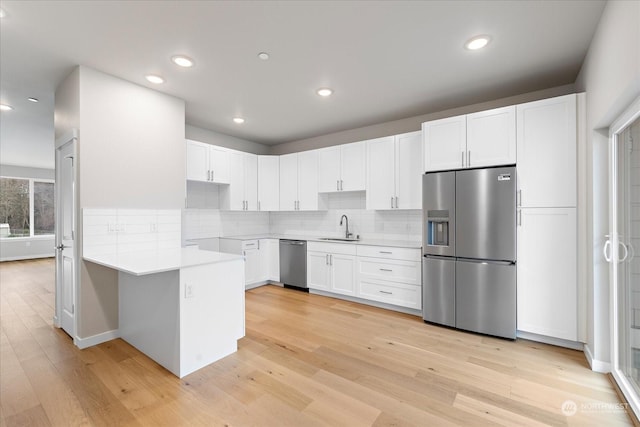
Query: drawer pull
x,y
386,269
386,252
386,292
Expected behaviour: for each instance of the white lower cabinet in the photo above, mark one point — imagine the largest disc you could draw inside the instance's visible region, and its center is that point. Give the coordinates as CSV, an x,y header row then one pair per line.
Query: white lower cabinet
x,y
547,269
331,267
390,275
261,258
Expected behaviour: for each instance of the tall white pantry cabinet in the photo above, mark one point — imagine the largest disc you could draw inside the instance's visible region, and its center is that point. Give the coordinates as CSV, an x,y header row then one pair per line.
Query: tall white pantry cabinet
x,y
547,218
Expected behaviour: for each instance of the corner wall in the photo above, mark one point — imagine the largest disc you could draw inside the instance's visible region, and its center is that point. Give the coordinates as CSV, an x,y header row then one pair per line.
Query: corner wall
x,y
610,76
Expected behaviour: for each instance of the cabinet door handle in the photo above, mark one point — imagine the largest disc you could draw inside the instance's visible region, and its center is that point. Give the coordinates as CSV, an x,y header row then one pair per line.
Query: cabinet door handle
x,y
208,175
330,259
341,187
337,185
462,158
469,158
386,252
326,259
386,269
386,292
391,202
396,202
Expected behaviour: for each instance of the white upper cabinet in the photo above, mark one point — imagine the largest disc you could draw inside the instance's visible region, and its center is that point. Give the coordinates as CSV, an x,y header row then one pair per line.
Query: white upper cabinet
x,y
342,168
547,152
207,163
445,143
242,192
268,183
394,172
299,181
486,138
491,137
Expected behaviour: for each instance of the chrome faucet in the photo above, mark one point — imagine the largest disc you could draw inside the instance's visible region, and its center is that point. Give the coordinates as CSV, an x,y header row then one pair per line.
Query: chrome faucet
x,y
346,234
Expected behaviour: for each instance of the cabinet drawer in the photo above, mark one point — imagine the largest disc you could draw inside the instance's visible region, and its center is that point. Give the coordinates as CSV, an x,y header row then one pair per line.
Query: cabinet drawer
x,y
391,293
406,254
408,272
250,244
333,248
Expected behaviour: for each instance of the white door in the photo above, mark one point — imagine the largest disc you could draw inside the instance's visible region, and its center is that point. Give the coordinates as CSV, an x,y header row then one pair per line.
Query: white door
x,y
353,166
235,190
268,183
252,266
329,169
288,182
198,161
409,171
219,164
381,173
251,182
66,165
343,274
547,272
445,143
491,137
308,181
546,139
318,270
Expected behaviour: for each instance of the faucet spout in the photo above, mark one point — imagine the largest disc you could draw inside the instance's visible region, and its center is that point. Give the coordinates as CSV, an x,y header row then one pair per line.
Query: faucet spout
x,y
347,234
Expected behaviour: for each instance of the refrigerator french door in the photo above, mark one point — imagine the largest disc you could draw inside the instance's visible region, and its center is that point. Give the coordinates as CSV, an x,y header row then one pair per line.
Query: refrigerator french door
x,y
469,241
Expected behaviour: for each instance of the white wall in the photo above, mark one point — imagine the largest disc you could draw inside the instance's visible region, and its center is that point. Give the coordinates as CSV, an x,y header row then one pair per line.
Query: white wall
x,y
131,155
610,76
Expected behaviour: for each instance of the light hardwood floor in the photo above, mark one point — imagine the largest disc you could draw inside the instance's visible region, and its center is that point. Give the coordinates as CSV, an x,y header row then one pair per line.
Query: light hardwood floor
x,y
306,361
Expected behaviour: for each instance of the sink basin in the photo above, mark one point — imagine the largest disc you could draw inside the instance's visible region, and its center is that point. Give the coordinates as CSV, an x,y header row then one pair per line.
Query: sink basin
x,y
339,239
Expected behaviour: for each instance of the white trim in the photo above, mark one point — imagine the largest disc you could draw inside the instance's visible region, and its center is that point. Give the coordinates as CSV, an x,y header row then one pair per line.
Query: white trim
x,y
83,343
368,302
559,342
25,257
595,364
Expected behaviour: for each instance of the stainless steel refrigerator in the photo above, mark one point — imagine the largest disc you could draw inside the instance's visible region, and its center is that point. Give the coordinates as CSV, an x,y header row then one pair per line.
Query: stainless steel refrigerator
x,y
469,245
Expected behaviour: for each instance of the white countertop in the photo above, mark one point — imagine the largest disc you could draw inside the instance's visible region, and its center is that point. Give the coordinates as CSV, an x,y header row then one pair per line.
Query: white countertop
x,y
159,261
411,244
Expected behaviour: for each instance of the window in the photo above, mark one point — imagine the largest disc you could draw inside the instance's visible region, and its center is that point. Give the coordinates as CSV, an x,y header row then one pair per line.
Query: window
x,y
26,207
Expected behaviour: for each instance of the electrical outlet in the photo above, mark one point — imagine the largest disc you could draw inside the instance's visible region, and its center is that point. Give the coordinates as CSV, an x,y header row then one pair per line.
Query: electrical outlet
x,y
189,290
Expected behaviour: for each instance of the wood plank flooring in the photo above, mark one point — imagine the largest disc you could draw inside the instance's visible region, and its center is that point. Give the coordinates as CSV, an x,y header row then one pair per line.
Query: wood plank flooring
x,y
306,360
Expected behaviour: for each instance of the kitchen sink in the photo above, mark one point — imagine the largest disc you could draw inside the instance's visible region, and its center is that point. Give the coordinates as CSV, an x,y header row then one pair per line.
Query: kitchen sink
x,y
339,239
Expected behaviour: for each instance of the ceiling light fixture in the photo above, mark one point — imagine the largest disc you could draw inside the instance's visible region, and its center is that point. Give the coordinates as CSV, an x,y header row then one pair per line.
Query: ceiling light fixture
x,y
477,42
238,120
324,92
5,107
32,99
263,55
183,61
154,79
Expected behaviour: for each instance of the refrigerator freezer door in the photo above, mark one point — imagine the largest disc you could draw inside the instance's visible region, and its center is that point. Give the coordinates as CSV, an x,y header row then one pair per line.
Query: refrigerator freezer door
x,y
439,213
486,213
486,298
439,290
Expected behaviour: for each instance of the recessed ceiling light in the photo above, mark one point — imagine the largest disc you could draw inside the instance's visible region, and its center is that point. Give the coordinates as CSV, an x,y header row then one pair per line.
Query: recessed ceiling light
x,y
32,99
263,55
5,107
477,42
2,13
154,78
183,61
238,120
324,91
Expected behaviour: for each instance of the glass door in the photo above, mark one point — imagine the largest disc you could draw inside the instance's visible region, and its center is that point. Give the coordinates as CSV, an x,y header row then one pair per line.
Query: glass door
x,y
620,250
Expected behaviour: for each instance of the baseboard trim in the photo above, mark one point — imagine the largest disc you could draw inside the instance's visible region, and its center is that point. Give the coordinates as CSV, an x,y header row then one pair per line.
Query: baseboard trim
x,y
596,365
83,343
574,345
24,258
263,283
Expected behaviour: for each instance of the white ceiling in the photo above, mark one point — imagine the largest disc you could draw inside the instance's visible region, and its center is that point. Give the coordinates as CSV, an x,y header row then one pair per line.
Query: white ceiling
x,y
385,59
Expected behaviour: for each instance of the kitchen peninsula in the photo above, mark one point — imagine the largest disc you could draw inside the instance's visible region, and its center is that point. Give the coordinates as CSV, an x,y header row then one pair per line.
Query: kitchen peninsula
x,y
182,307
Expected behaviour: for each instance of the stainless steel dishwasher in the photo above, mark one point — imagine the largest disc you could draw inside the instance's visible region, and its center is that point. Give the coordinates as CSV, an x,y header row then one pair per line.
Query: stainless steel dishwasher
x,y
293,264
